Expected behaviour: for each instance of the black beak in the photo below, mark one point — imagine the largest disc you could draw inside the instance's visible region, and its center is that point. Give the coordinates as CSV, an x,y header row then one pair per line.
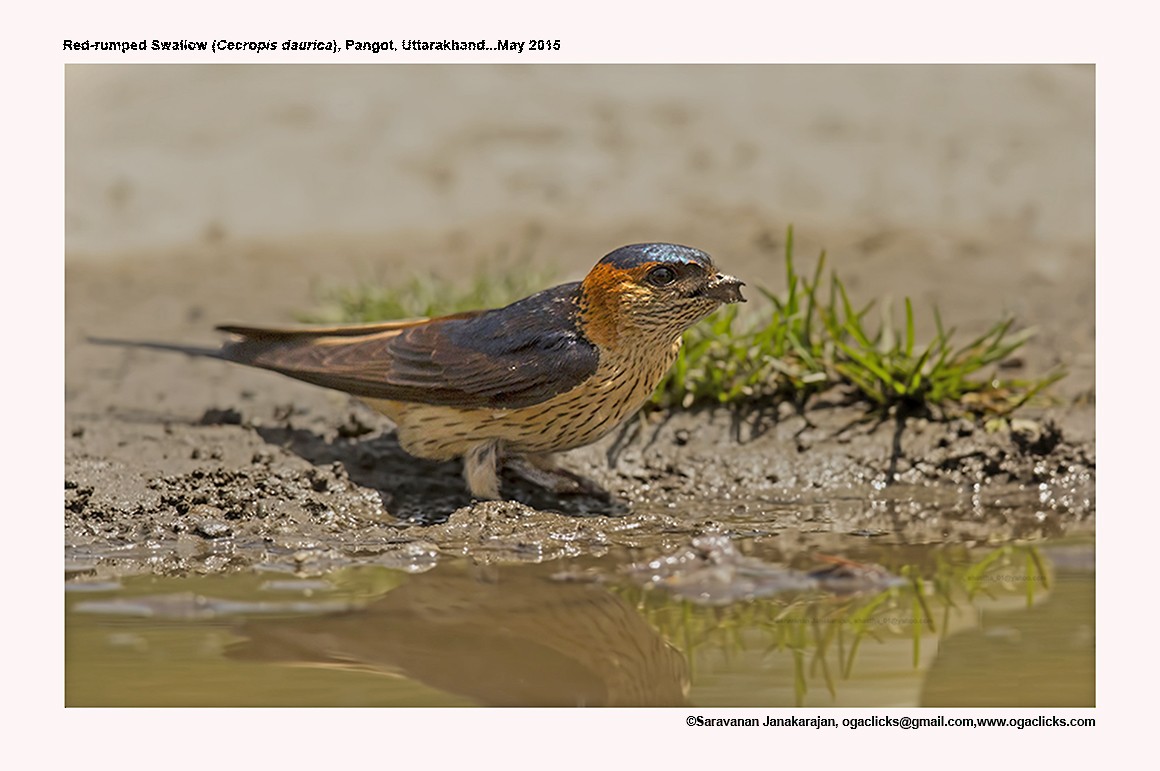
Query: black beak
x,y
727,289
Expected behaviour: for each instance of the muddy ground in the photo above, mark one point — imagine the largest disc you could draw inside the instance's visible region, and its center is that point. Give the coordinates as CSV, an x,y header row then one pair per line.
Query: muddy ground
x,y
200,195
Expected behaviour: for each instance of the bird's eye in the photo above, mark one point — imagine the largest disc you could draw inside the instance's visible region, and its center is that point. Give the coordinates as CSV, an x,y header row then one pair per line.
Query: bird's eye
x,y
662,276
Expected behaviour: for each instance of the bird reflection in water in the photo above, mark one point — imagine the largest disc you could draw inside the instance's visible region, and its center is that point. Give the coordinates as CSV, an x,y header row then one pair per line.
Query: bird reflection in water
x,y
507,639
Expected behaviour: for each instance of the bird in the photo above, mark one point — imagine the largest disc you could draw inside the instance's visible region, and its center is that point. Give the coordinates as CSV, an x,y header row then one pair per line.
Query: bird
x,y
514,385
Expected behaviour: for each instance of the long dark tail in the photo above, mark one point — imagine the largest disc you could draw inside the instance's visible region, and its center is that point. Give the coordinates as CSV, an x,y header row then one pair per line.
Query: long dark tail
x,y
188,350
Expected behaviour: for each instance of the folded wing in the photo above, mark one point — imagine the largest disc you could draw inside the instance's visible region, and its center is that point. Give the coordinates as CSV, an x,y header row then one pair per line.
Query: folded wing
x,y
506,358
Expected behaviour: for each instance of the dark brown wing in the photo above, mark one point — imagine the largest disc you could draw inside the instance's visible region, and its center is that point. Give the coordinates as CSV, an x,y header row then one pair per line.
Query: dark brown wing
x,y
510,357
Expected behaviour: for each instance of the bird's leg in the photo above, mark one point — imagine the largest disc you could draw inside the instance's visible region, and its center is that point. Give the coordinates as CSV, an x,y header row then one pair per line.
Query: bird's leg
x,y
542,470
479,469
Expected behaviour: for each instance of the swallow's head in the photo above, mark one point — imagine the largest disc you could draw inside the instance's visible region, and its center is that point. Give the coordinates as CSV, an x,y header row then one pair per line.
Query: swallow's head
x,y
658,290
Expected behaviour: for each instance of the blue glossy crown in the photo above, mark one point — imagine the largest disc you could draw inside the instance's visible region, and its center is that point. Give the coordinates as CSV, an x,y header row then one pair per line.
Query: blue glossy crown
x,y
635,255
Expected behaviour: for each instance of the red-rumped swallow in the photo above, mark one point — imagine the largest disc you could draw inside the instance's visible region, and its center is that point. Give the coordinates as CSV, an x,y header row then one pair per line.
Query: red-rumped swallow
x,y
551,372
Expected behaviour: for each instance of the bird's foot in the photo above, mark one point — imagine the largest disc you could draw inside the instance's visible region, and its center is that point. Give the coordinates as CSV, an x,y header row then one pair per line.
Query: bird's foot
x,y
479,469
541,471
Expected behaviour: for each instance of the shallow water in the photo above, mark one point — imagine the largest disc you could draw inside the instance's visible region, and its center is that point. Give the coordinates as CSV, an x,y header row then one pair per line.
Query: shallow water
x,y
951,625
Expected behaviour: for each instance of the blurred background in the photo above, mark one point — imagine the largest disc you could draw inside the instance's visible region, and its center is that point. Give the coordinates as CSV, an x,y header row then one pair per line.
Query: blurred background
x,y
248,187
161,155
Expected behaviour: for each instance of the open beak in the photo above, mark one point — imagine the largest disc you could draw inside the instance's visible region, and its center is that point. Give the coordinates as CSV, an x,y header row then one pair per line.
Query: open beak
x,y
727,289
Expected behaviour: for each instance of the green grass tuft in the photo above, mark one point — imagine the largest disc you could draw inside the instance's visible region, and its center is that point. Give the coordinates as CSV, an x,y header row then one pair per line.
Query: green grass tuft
x,y
813,338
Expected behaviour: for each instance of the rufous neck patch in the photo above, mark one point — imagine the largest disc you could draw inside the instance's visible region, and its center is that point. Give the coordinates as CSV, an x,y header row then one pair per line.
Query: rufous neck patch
x,y
600,304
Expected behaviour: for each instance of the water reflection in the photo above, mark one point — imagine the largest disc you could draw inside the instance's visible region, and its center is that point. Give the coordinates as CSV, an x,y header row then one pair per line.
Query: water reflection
x,y
952,626
503,638
1030,657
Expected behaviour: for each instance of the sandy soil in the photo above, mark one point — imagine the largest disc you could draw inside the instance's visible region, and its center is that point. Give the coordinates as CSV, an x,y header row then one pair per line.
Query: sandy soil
x,y
198,195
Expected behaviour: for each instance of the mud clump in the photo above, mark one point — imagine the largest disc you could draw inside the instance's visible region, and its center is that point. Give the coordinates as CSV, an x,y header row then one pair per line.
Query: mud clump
x,y
711,571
